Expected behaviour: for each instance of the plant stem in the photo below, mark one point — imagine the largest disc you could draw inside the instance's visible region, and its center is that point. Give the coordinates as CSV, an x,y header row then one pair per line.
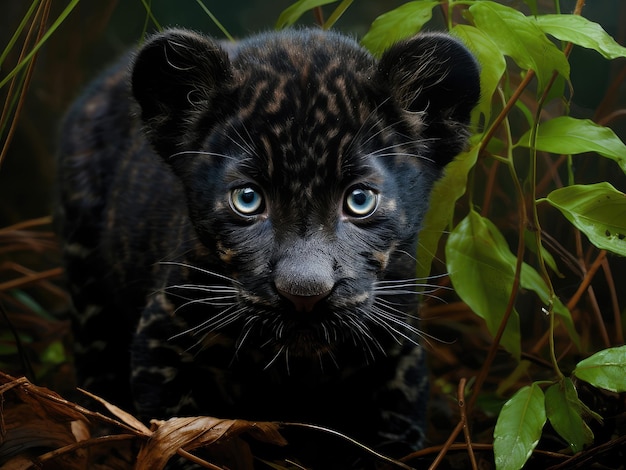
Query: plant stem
x,y
336,14
532,177
505,111
484,371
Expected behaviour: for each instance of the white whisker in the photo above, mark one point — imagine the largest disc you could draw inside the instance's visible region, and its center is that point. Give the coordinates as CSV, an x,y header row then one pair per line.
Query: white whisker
x,y
202,270
223,318
276,356
201,152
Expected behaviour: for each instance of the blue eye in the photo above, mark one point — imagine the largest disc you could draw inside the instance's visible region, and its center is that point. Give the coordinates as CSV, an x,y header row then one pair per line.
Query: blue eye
x,y
361,202
246,201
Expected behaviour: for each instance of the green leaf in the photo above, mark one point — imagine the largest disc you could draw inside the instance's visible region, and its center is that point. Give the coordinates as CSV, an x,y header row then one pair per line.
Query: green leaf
x,y
598,210
564,410
482,271
400,23
582,32
492,63
605,369
29,302
518,428
566,135
446,191
53,354
520,38
293,13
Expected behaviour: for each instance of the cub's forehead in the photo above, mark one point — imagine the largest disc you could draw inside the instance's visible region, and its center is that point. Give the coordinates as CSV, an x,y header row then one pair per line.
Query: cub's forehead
x,y
292,75
306,104
292,50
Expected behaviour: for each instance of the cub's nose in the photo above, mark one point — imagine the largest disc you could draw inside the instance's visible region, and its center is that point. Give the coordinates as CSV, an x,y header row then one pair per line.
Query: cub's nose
x,y
303,303
303,274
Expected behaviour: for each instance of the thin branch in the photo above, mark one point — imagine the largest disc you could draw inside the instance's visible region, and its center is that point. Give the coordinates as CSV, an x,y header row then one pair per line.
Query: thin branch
x,y
31,279
584,285
619,335
466,430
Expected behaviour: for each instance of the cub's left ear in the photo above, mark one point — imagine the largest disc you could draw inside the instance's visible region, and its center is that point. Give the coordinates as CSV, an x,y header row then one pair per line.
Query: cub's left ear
x,y
435,75
176,77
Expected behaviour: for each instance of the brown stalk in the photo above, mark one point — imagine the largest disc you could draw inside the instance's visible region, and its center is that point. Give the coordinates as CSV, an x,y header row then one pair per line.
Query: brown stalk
x,y
26,224
619,336
461,426
585,285
31,279
318,13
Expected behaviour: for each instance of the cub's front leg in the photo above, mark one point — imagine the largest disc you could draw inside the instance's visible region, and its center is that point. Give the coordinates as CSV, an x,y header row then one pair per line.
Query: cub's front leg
x,y
403,403
161,363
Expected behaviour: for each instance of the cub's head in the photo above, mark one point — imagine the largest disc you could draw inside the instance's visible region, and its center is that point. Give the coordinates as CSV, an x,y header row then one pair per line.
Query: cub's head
x,y
307,166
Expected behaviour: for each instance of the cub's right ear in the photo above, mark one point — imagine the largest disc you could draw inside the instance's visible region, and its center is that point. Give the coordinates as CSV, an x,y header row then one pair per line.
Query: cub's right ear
x,y
434,76
176,75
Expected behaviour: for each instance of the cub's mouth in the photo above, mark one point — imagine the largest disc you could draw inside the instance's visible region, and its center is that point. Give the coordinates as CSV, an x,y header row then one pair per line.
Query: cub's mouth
x,y
320,333
306,342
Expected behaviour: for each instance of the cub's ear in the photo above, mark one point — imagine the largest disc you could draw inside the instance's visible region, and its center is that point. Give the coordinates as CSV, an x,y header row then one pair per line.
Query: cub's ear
x,y
175,77
435,79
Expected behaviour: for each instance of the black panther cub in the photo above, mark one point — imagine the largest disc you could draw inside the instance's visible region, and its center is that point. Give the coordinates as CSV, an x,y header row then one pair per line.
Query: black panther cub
x,y
239,223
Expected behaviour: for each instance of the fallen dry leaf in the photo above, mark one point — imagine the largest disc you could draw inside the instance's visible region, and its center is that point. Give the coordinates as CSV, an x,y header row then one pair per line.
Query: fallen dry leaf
x,y
191,433
40,429
25,432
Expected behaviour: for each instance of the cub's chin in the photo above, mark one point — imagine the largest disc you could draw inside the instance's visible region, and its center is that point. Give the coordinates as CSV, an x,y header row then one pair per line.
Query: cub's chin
x,y
306,343
330,339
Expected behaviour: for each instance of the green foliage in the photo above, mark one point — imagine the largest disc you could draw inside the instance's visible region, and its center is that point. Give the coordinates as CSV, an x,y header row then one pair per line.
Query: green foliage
x,y
522,417
598,210
519,37
446,191
565,412
582,32
519,427
570,136
293,13
605,369
403,22
482,270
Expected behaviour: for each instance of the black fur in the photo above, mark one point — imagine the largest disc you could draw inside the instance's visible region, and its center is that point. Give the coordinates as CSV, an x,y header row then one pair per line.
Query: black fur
x,y
299,308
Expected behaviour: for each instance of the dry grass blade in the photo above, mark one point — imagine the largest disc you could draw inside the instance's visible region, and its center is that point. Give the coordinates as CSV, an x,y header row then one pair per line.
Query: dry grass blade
x,y
120,414
43,402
